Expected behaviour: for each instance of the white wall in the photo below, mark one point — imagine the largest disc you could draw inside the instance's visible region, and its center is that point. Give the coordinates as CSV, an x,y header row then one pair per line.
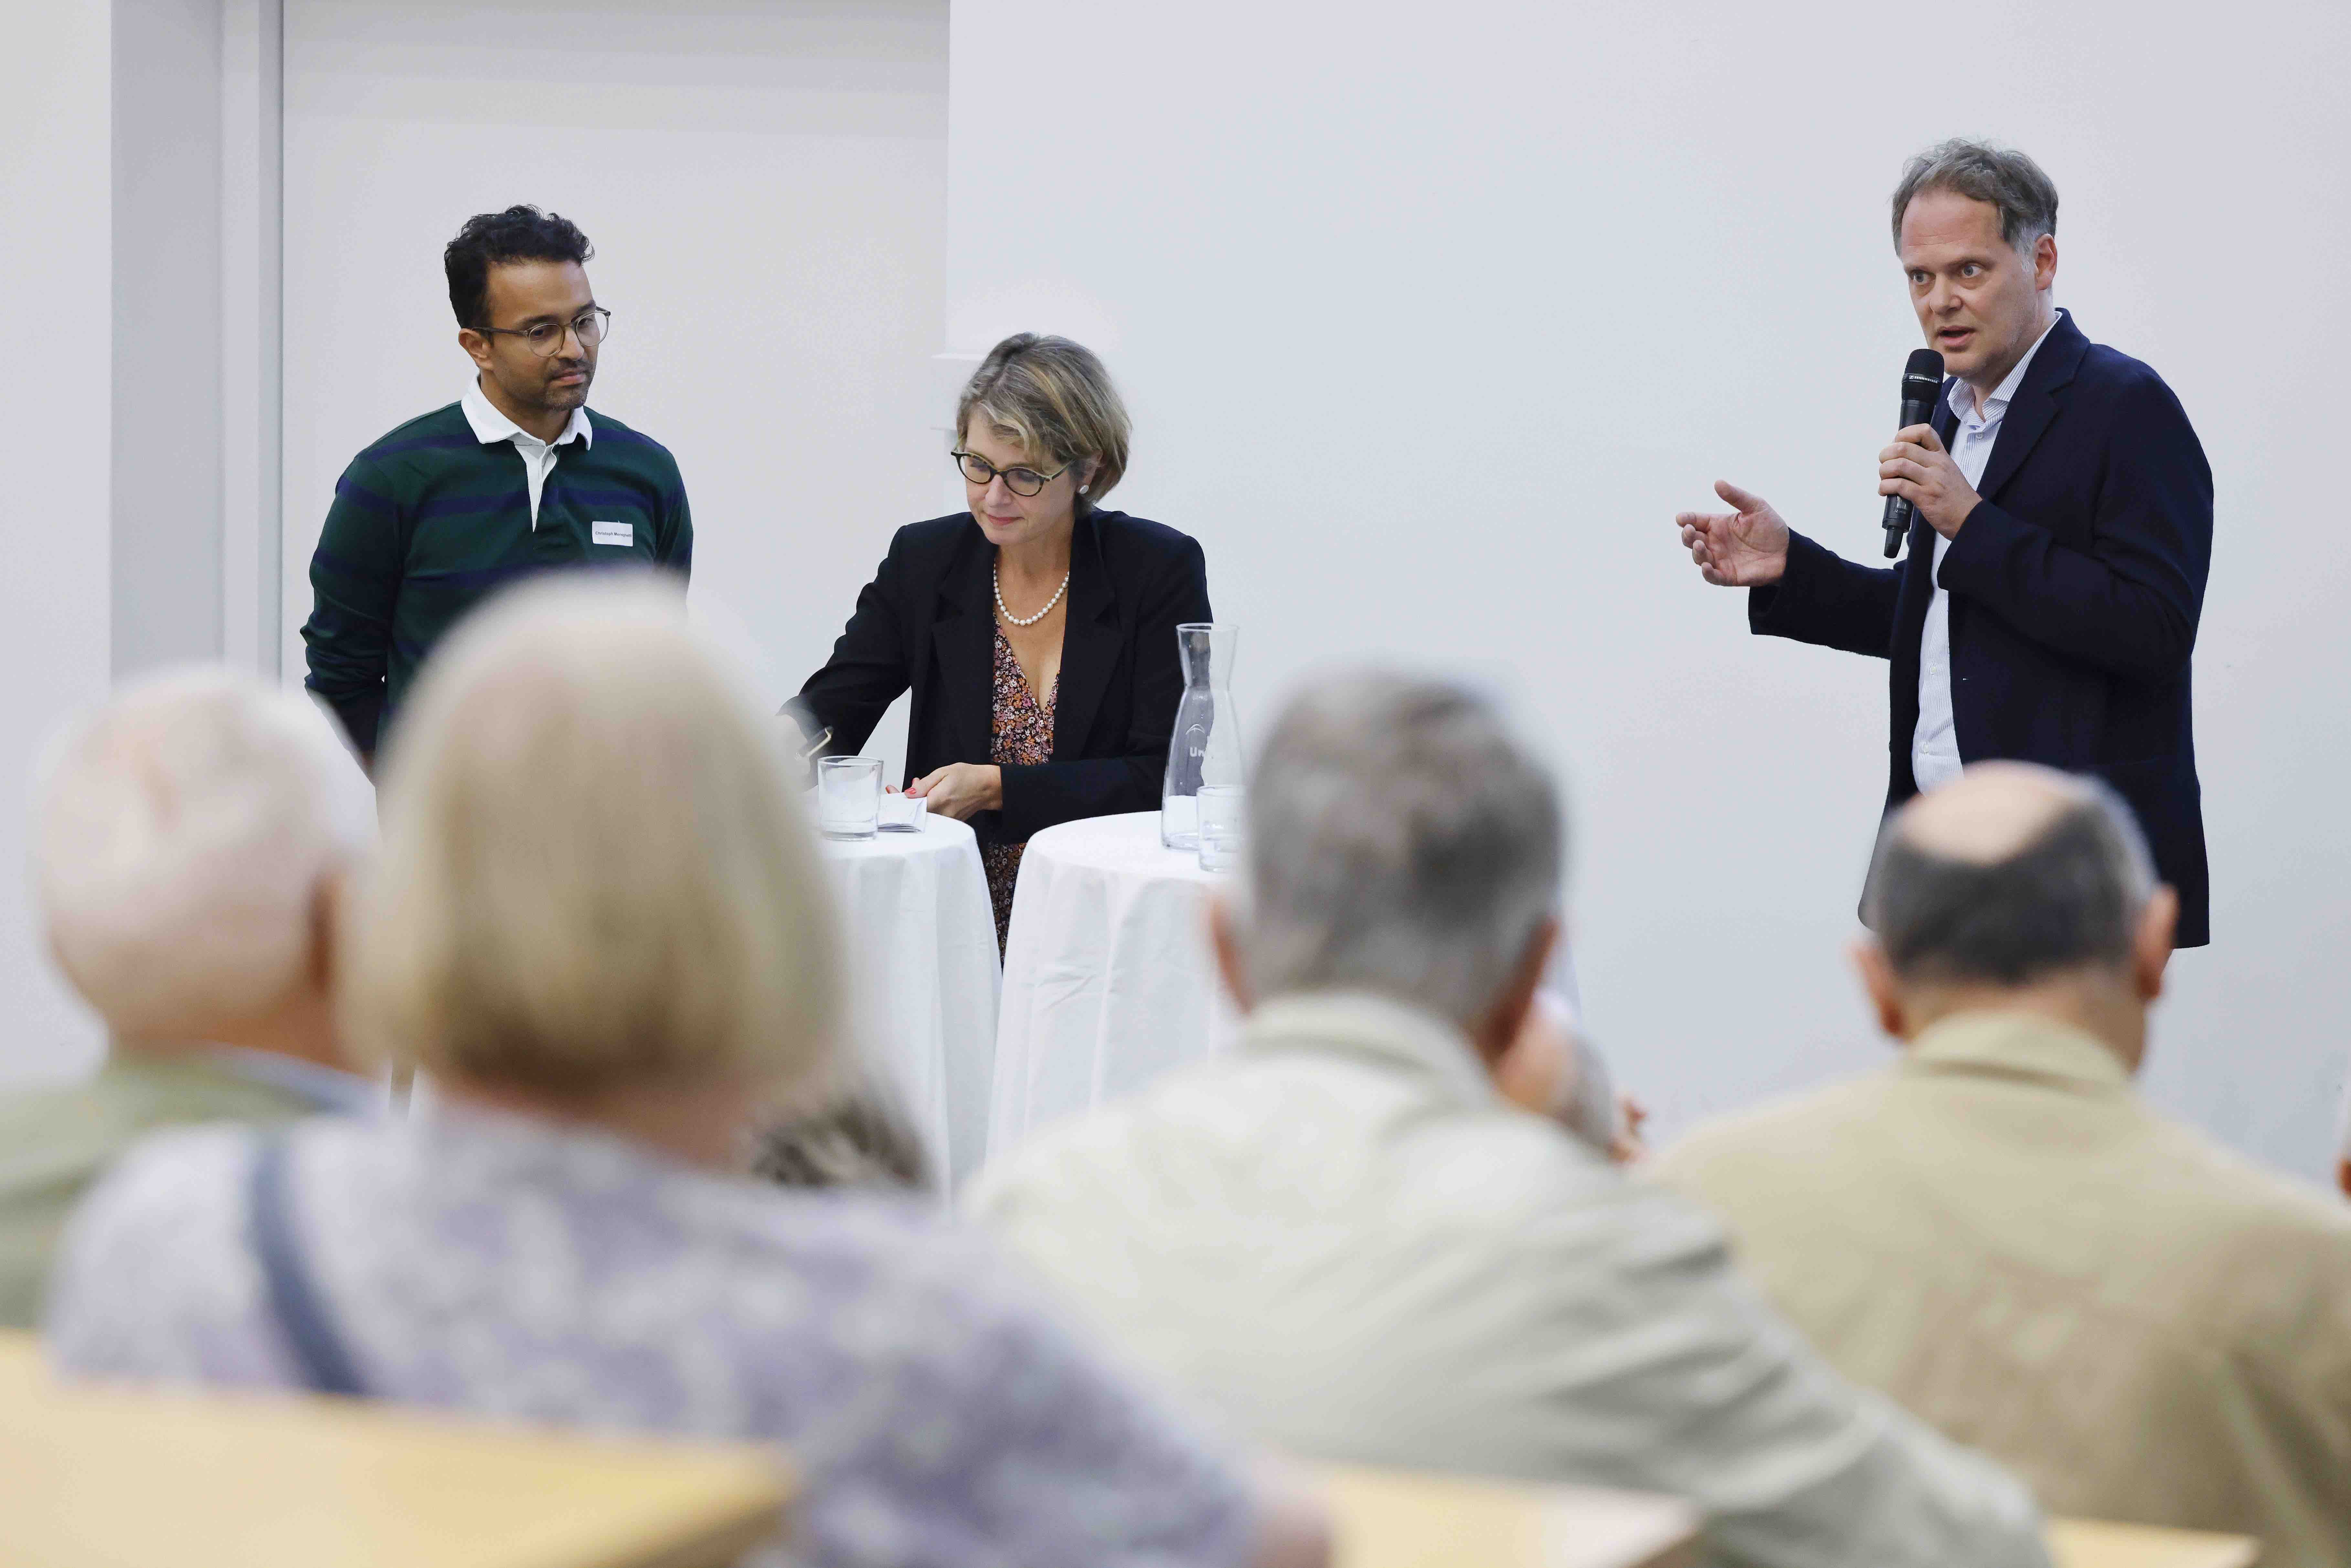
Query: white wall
x,y
1432,317
764,182
56,224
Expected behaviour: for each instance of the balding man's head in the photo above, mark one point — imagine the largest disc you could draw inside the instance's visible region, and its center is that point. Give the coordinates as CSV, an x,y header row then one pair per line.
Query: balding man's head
x,y
187,836
2010,873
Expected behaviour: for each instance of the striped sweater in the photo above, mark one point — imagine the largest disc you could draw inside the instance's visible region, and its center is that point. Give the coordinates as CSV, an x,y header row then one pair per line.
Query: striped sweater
x,y
431,520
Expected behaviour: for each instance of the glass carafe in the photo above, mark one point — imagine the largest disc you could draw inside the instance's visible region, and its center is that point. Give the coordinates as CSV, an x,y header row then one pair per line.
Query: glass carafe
x,y
1206,746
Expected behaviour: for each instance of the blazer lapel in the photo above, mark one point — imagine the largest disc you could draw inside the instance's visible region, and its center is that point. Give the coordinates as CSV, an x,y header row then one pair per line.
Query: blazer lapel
x,y
1089,643
963,640
2035,405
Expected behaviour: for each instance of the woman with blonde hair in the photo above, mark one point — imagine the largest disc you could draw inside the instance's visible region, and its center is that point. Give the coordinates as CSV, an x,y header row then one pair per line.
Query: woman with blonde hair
x,y
599,926
1037,630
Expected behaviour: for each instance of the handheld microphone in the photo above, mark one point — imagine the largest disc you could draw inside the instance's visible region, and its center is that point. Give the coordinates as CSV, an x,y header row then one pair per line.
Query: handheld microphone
x,y
1922,384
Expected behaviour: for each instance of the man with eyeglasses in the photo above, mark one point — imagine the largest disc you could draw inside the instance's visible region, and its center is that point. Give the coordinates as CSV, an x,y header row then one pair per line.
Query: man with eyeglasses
x,y
513,478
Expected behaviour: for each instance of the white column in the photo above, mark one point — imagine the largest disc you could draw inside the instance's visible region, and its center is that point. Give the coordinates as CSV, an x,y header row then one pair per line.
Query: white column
x,y
55,260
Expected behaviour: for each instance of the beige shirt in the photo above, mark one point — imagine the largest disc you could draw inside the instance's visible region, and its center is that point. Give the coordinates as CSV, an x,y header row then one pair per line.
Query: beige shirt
x,y
1342,1237
1997,1233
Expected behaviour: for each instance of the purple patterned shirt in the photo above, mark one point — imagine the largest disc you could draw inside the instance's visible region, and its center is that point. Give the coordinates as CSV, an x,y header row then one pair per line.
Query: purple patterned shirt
x,y
939,1414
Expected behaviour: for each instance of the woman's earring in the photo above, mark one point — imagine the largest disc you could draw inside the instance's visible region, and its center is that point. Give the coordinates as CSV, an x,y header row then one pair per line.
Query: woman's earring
x,y
1083,488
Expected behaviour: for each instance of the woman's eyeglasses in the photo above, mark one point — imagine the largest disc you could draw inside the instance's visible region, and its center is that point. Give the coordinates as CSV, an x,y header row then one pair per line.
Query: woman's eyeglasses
x,y
1019,481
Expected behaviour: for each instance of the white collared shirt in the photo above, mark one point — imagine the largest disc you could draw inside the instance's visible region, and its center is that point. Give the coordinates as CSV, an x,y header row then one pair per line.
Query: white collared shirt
x,y
491,427
1935,743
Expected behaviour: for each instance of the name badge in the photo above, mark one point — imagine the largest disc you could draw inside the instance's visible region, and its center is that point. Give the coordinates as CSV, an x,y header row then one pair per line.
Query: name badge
x,y
622,534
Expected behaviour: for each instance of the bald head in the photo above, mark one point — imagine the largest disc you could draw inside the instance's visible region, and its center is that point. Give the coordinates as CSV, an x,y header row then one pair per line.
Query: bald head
x,y
2009,874
1991,812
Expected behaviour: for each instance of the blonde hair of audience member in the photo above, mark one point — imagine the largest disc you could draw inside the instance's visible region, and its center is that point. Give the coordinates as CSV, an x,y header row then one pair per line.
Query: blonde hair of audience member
x,y
596,898
2017,888
191,839
1402,843
1051,399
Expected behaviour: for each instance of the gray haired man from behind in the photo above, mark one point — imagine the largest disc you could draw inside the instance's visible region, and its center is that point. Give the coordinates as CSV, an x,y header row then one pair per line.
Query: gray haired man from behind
x,y
1998,1232
189,839
1347,1235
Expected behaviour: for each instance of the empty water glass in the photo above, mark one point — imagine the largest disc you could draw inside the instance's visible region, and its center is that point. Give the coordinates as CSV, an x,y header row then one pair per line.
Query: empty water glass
x,y
848,795
1224,826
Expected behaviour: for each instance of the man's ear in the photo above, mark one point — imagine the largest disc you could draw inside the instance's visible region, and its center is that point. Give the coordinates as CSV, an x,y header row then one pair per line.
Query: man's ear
x,y
326,928
2044,263
477,347
1224,936
2158,925
1877,979
1510,1012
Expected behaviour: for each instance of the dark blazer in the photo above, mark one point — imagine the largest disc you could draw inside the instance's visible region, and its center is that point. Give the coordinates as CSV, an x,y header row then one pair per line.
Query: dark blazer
x,y
2074,588
928,620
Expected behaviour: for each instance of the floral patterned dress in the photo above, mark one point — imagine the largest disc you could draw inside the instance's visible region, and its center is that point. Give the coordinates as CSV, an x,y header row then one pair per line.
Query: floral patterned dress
x,y
1023,735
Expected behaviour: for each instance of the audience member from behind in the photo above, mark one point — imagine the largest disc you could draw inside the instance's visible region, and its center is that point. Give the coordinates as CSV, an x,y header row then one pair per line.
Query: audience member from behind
x,y
598,921
1999,1233
1345,1235
188,839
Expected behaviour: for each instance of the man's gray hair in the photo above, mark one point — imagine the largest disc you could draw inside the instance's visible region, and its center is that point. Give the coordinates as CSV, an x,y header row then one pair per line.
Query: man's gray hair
x,y
1401,841
2069,897
2026,197
182,835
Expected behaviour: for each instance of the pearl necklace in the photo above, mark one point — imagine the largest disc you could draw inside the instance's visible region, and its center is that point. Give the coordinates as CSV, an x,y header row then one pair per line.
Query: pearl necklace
x,y
997,573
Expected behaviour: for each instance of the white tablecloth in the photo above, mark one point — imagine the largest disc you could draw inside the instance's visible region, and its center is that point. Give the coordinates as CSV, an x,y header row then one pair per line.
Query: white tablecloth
x,y
923,977
1108,979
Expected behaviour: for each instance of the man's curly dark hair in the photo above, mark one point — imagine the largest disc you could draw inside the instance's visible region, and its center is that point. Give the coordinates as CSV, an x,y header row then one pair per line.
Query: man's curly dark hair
x,y
518,234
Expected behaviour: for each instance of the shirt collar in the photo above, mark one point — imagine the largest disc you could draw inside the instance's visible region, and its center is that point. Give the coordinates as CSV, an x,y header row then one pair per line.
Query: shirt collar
x,y
325,1087
2005,393
490,426
1365,1023
2019,1045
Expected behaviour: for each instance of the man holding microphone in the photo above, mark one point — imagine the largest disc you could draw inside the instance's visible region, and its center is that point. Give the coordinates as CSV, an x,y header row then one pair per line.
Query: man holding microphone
x,y
2047,608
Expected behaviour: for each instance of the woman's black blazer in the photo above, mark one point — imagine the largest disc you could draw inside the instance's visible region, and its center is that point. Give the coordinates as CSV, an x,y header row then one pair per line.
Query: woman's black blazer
x,y
928,620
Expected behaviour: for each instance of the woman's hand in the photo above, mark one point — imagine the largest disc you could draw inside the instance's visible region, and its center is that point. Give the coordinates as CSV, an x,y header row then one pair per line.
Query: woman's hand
x,y
961,790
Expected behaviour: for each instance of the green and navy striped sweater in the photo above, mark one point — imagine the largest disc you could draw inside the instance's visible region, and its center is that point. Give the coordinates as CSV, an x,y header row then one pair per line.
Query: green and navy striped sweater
x,y
431,520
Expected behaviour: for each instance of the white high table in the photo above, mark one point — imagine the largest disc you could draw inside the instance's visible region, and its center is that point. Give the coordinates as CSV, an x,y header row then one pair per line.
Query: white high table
x,y
1108,979
923,977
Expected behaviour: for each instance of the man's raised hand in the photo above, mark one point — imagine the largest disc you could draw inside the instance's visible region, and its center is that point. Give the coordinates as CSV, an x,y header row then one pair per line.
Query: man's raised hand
x,y
1745,548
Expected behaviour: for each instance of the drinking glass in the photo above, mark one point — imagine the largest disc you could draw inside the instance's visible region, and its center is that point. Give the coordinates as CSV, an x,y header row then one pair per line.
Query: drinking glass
x,y
848,795
1224,826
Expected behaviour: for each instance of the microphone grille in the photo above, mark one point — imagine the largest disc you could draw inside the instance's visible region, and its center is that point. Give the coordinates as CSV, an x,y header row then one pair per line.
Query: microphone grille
x,y
1925,365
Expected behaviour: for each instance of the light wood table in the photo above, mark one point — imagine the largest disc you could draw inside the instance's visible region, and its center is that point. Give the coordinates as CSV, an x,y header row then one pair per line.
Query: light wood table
x,y
1393,1519
2080,1544
111,1479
